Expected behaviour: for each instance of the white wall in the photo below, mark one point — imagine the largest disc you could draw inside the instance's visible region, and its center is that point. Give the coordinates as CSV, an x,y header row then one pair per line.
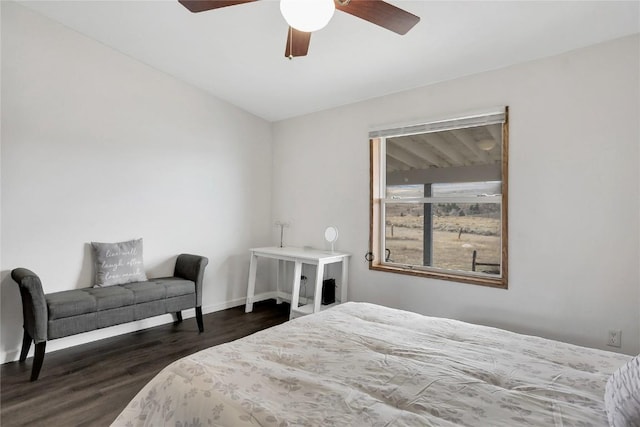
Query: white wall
x,y
573,198
99,147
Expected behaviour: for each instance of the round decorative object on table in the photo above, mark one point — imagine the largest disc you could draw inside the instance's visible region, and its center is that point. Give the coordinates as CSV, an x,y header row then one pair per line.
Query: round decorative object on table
x,y
331,235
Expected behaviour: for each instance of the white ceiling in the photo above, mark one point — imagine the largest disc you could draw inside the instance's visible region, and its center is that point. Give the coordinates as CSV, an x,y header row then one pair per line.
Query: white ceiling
x,y
237,53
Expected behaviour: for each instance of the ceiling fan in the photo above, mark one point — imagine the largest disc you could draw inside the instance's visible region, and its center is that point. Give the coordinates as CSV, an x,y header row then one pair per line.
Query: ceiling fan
x,y
306,16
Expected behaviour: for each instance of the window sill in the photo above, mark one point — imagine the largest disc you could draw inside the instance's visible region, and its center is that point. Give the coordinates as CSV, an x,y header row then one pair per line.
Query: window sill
x,y
498,282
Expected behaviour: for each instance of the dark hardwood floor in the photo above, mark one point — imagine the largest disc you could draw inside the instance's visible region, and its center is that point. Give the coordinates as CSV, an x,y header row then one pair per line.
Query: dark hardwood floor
x,y
89,384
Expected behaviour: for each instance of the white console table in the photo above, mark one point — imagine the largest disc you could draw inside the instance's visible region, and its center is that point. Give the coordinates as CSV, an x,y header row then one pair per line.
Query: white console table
x,y
299,256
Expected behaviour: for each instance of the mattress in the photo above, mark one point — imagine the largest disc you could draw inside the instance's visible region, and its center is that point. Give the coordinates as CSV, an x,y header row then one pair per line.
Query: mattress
x,y
360,364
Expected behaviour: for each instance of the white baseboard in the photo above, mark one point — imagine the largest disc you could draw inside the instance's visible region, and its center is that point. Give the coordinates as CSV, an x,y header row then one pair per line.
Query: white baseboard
x,y
112,331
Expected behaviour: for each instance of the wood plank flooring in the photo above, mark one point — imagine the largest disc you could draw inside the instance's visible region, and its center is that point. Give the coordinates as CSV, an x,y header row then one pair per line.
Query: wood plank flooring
x,y
90,384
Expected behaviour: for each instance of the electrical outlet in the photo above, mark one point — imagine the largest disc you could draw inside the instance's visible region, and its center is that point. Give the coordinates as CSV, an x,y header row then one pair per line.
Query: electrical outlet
x,y
614,338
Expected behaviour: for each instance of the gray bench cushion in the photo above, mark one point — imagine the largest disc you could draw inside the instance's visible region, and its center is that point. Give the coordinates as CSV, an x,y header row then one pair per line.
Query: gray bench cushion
x,y
111,297
70,303
88,300
146,291
176,286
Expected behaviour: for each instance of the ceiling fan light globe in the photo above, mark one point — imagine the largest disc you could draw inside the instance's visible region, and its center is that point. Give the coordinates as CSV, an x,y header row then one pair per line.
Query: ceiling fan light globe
x,y
307,15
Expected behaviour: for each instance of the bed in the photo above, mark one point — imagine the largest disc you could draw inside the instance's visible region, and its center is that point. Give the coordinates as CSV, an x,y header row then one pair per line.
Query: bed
x,y
359,364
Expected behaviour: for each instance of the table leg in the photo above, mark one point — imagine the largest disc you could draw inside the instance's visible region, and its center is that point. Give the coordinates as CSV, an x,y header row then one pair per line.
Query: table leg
x,y
278,299
297,270
251,286
317,296
344,283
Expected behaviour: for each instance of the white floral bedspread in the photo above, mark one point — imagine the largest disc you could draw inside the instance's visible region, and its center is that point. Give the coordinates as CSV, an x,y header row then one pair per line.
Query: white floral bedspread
x,y
360,364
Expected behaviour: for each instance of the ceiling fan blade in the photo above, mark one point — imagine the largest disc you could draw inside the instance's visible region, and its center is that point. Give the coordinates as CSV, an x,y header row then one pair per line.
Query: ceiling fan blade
x,y
381,13
202,5
297,43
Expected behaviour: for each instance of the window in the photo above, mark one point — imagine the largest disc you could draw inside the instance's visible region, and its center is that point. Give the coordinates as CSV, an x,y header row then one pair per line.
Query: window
x,y
439,199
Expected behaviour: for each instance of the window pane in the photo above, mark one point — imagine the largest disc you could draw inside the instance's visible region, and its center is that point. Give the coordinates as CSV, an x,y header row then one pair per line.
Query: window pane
x,y
489,188
456,230
461,228
404,191
404,233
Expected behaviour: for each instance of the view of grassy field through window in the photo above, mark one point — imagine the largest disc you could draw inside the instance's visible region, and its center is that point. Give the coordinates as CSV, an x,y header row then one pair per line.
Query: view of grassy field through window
x,y
458,230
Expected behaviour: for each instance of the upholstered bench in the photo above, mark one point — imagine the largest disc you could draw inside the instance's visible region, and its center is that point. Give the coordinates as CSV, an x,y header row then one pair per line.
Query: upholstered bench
x,y
60,314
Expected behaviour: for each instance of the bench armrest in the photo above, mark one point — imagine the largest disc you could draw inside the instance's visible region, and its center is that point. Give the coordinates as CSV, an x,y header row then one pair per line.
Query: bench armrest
x,y
34,305
191,267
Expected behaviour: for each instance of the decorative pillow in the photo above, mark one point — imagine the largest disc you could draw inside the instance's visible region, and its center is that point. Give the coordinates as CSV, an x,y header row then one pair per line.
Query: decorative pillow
x,y
118,263
622,395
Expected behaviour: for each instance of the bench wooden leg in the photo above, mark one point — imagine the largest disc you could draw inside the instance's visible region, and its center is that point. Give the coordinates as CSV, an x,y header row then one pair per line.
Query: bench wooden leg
x,y
178,317
26,345
199,319
37,360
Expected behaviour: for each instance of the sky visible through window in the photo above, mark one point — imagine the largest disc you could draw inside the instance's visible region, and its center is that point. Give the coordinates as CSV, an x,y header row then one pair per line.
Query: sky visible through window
x,y
446,190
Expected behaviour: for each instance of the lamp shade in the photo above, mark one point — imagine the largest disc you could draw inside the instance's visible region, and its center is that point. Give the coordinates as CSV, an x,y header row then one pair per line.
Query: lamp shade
x,y
307,15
